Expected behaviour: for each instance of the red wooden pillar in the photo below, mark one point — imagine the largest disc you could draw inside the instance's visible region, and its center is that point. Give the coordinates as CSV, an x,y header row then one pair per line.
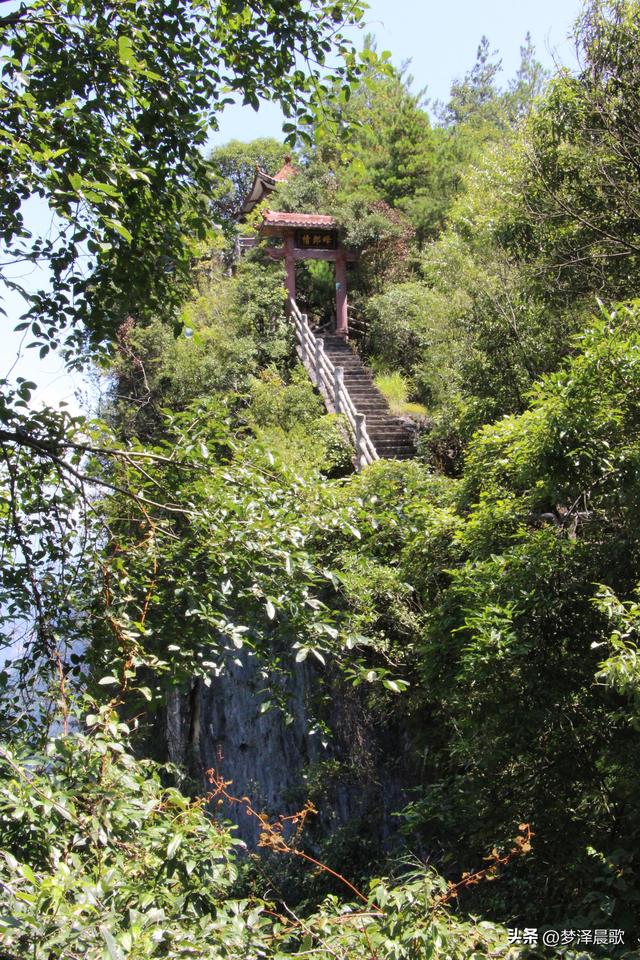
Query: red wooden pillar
x,y
290,265
342,323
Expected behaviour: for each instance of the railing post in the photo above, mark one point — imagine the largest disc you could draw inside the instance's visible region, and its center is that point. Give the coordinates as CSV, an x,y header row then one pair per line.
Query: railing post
x,y
338,385
360,428
319,349
303,336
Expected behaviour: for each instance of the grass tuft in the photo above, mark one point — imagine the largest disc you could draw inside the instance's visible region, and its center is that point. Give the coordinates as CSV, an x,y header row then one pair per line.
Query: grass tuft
x,y
395,390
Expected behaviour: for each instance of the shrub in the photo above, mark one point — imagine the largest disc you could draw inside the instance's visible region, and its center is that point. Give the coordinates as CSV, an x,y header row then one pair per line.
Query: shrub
x,y
396,390
275,403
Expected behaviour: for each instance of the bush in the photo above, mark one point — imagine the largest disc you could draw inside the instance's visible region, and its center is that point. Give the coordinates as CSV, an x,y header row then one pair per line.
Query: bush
x,y
275,403
512,657
396,390
396,322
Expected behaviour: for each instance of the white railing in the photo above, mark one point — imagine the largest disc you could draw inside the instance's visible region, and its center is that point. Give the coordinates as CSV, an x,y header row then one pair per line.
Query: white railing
x,y
329,380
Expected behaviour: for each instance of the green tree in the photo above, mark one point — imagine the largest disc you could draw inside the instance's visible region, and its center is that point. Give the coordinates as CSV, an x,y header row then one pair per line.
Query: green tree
x,y
578,226
233,167
476,97
528,84
391,152
99,859
106,111
516,643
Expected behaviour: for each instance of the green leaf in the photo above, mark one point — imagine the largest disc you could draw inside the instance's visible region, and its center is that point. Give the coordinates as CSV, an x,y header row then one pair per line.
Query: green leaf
x,y
126,52
28,873
119,228
173,846
114,950
107,188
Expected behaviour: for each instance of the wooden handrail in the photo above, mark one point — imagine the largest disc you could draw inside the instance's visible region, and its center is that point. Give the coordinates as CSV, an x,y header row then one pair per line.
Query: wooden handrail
x,y
330,382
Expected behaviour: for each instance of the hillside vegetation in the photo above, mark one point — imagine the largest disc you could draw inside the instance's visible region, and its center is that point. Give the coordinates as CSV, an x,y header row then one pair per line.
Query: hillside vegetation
x,y
458,632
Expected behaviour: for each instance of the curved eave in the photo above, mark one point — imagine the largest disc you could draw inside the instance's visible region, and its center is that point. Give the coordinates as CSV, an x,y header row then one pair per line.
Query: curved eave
x,y
262,186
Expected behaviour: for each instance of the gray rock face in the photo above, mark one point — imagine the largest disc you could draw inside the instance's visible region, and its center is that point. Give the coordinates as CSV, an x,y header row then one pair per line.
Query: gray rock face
x,y
263,752
278,758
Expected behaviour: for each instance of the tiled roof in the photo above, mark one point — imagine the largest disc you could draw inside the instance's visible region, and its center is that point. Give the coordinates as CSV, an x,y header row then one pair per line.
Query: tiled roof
x,y
264,184
272,218
264,176
286,172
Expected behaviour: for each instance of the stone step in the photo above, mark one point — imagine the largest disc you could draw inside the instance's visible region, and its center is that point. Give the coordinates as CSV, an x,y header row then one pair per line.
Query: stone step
x,y
392,452
376,407
358,379
370,397
363,397
384,419
388,452
371,408
388,433
389,441
384,426
362,394
379,427
388,438
395,454
385,443
384,433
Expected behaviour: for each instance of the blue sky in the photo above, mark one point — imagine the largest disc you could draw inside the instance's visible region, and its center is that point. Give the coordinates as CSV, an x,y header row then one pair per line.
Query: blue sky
x,y
440,40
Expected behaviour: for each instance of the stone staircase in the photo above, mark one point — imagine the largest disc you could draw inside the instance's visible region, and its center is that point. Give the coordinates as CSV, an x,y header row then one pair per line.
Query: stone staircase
x,y
388,434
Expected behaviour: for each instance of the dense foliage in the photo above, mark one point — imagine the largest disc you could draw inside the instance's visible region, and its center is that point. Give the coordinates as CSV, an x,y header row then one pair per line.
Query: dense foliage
x,y
459,633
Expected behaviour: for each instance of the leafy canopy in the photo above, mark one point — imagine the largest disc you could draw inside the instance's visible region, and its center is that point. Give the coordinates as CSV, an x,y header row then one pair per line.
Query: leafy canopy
x,y
106,108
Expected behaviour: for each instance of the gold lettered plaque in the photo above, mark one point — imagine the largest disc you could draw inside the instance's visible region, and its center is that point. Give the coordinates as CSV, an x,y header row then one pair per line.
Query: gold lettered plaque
x,y
316,239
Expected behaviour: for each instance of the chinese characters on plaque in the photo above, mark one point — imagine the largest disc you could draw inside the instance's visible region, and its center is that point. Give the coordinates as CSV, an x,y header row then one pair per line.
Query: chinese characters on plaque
x,y
316,239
